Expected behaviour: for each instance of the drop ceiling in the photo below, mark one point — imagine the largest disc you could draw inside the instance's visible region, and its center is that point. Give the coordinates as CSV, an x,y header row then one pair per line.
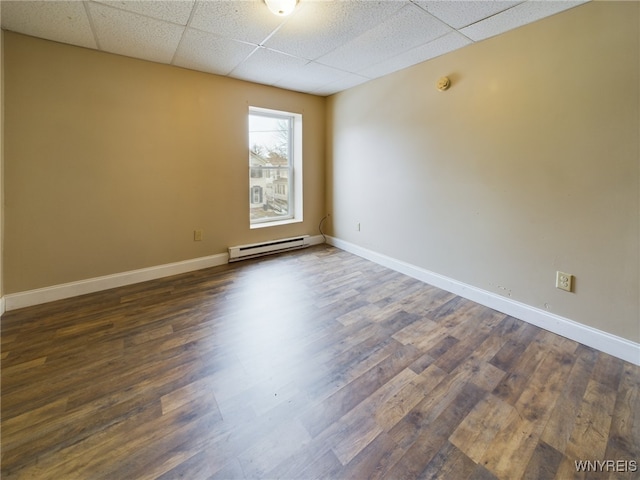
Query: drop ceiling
x,y
322,48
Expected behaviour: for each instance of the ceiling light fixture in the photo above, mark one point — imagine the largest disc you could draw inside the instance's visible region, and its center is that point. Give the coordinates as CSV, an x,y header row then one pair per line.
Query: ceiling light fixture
x,y
282,8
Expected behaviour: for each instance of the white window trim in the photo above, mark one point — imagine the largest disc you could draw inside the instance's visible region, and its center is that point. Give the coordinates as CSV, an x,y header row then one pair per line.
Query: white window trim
x,y
296,184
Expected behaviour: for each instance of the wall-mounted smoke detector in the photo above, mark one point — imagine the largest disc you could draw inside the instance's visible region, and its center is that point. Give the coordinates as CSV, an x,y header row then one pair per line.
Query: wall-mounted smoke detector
x,y
443,84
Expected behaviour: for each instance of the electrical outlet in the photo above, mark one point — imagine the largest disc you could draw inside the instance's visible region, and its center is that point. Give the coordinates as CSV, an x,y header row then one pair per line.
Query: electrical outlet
x,y
197,235
564,281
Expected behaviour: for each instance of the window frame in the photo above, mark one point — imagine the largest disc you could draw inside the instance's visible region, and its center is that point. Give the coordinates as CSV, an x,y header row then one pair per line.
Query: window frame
x,y
294,167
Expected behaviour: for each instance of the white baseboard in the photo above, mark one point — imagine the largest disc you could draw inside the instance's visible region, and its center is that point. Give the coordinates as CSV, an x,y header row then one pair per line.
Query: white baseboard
x,y
316,240
29,298
97,284
605,342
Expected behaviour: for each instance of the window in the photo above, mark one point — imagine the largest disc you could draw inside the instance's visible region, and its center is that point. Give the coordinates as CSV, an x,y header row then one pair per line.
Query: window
x,y
275,167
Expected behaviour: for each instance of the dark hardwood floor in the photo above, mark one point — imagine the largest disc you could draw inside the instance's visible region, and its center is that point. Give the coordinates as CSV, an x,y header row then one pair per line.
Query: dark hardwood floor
x,y
311,364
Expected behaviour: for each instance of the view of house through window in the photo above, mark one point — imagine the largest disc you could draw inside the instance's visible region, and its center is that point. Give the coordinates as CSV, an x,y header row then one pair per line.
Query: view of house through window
x,y
271,165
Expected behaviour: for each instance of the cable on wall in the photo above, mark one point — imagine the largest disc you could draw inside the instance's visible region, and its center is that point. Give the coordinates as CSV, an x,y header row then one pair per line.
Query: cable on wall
x,y
320,227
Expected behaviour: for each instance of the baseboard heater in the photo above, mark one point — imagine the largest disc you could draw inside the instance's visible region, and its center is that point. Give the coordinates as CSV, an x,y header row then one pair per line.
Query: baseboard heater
x,y
242,252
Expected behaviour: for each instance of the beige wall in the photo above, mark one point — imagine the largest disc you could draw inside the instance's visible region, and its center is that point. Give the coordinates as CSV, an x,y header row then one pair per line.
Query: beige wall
x,y
1,161
529,164
111,163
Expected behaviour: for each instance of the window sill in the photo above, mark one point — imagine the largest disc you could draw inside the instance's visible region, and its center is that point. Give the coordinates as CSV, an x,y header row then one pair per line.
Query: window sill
x,y
275,223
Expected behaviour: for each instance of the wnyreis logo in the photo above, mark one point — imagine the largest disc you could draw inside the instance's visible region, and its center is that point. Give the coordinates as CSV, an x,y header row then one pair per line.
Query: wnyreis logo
x,y
618,466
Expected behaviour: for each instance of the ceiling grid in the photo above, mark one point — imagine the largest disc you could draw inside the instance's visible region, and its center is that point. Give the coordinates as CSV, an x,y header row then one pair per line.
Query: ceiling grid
x,y
322,48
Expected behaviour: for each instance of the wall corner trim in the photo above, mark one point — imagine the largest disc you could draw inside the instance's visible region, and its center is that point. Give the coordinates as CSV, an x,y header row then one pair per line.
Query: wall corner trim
x,y
28,298
605,342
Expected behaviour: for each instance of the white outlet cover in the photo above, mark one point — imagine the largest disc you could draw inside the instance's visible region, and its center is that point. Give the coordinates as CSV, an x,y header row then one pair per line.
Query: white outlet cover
x,y
564,281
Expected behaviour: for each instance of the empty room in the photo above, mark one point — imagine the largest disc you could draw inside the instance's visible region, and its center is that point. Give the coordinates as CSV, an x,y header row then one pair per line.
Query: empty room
x,y
341,239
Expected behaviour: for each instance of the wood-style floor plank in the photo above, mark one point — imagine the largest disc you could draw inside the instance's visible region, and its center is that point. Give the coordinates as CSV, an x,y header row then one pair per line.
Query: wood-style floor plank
x,y
310,364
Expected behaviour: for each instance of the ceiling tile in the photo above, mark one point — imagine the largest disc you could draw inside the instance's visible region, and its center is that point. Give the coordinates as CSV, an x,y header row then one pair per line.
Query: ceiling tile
x,y
445,44
134,35
267,66
517,16
317,27
65,22
310,77
409,28
170,11
348,81
209,53
459,14
240,20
